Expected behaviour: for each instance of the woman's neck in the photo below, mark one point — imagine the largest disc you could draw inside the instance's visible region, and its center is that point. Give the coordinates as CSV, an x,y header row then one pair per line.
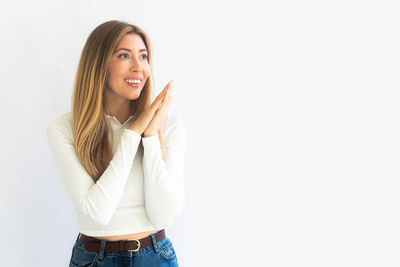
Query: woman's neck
x,y
117,107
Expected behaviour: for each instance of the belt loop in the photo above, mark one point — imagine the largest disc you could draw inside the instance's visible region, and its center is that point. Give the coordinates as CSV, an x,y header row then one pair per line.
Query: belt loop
x,y
79,235
155,245
102,247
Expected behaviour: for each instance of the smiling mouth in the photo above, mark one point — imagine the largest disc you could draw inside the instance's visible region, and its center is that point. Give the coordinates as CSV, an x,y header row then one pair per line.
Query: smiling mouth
x,y
133,81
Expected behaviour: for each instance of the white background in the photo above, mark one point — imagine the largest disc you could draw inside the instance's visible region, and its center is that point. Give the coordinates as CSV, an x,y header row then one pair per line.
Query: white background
x,y
292,110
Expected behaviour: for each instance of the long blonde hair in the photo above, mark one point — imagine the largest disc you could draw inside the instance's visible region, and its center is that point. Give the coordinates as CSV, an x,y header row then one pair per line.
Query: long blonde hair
x,y
91,128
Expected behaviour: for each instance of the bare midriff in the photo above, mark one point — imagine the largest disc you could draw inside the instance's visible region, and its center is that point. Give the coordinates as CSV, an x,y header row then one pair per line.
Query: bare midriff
x,y
127,236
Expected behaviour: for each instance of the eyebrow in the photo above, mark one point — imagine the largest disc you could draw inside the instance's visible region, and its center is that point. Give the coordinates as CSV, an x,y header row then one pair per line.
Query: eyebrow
x,y
126,49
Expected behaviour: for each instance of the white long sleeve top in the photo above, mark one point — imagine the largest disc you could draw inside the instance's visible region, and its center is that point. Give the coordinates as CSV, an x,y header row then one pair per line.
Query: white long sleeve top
x,y
138,191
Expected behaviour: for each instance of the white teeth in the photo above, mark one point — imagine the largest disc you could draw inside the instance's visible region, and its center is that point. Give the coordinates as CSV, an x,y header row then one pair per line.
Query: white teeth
x,y
132,81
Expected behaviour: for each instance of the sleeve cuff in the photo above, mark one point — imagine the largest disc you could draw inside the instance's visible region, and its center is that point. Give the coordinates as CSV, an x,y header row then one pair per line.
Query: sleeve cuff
x,y
132,134
151,141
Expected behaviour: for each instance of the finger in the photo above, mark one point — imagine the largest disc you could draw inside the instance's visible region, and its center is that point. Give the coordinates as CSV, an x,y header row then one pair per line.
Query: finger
x,y
162,93
157,103
159,99
170,94
169,85
167,100
167,95
162,96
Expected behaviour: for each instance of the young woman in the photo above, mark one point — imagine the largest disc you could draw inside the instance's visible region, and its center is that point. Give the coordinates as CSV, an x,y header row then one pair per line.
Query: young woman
x,y
120,156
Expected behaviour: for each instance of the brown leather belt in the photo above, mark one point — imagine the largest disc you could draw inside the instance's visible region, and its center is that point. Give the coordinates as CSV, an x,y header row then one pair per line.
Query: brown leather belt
x,y
93,244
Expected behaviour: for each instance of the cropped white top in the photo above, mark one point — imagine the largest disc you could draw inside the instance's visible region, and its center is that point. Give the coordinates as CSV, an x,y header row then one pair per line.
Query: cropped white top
x,y
139,191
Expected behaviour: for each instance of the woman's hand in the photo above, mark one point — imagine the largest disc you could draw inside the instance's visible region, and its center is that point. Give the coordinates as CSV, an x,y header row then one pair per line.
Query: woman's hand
x,y
162,113
142,121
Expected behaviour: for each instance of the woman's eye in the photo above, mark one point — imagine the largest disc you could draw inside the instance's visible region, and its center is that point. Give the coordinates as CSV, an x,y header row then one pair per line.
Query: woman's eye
x,y
126,56
120,56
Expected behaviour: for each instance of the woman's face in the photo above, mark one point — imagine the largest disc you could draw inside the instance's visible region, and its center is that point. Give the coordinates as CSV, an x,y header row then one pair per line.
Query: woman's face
x,y
128,65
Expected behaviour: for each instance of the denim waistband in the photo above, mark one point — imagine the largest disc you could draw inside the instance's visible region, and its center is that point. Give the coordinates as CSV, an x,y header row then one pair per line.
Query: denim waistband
x,y
103,243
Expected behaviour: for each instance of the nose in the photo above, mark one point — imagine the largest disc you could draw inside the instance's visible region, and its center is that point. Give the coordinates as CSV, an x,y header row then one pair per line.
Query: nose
x,y
136,65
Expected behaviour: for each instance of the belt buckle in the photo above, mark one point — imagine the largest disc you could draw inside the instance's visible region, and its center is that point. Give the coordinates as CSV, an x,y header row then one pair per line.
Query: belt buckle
x,y
138,244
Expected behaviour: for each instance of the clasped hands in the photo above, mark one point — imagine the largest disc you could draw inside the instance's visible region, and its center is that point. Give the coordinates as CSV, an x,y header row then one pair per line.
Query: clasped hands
x,y
149,121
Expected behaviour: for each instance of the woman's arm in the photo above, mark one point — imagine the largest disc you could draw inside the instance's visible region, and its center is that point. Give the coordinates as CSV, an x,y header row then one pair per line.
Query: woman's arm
x,y
164,179
96,200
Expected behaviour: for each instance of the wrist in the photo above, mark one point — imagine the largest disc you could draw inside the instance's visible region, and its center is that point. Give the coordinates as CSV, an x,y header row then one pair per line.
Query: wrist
x,y
148,134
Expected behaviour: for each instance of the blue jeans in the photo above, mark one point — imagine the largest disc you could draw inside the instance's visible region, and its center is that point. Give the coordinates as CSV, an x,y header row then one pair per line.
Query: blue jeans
x,y
161,253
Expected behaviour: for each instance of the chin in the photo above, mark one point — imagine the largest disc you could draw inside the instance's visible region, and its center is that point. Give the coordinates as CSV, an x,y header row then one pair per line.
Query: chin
x,y
134,96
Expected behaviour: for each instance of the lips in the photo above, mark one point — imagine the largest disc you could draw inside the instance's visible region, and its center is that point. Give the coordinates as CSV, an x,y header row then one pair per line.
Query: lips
x,y
134,85
134,78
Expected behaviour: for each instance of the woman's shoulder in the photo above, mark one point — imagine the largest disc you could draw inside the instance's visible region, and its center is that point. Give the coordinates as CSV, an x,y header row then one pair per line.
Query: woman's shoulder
x,y
61,125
